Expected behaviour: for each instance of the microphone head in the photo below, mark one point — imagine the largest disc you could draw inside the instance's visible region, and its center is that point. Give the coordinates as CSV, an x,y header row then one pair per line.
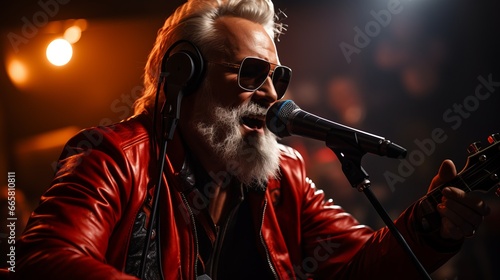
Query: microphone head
x,y
278,116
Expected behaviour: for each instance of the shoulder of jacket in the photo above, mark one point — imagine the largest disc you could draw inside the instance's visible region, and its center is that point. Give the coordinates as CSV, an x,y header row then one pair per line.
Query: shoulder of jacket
x,y
123,134
289,153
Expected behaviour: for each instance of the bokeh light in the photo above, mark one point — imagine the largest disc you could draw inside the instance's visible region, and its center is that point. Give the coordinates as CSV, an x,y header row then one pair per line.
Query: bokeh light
x,y
59,52
73,34
17,71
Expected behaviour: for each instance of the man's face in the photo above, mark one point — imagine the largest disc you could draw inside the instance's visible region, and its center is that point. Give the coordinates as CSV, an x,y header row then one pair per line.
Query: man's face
x,y
244,38
226,124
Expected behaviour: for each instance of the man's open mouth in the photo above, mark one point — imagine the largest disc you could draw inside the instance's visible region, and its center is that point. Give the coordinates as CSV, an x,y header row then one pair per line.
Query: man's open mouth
x,y
253,122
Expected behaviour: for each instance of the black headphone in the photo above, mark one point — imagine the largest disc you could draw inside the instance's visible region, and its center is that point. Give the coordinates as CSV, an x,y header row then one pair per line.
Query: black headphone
x,y
183,66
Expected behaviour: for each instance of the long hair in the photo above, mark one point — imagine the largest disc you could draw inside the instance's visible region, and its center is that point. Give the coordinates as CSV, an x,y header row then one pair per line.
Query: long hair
x,y
196,21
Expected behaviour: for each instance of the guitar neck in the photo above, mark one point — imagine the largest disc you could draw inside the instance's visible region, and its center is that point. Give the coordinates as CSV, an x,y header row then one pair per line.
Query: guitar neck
x,y
480,174
434,197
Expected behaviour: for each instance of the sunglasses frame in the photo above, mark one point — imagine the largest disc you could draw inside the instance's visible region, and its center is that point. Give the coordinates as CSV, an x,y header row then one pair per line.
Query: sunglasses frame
x,y
272,70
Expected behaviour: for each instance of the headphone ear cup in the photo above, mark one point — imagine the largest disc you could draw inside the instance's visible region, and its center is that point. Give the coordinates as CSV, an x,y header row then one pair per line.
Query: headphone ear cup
x,y
184,68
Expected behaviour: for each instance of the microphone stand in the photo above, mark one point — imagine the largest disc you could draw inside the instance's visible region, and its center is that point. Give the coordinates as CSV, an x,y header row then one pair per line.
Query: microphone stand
x,y
350,155
170,115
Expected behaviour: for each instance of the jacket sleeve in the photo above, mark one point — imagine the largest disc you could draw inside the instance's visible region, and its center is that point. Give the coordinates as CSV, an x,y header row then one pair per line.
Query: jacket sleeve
x,y
336,245
67,234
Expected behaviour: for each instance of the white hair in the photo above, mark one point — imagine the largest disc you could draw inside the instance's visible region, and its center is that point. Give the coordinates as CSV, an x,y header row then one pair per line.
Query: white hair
x,y
196,21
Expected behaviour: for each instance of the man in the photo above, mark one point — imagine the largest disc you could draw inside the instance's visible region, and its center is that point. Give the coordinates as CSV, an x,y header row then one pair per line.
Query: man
x,y
233,204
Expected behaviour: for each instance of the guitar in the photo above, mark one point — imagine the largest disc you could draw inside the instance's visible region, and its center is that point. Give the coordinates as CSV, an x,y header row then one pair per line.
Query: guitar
x,y
481,173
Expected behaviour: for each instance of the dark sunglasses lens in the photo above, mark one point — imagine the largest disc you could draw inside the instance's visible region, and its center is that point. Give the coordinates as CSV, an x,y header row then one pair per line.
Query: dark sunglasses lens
x,y
253,73
281,79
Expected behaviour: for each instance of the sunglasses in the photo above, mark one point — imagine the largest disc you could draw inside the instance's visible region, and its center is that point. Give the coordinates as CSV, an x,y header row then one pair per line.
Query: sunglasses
x,y
253,72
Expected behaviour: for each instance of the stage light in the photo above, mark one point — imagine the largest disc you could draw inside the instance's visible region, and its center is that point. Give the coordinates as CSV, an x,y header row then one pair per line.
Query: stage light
x,y
17,72
59,52
73,34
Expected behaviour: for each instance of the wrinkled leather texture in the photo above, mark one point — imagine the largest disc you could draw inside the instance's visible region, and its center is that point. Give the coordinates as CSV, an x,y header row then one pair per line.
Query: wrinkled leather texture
x,y
83,225
134,264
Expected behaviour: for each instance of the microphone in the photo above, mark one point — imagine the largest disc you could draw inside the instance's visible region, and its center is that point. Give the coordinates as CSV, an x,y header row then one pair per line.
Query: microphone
x,y
285,118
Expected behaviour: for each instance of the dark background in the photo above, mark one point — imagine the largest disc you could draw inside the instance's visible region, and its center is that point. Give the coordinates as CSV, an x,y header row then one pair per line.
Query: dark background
x,y
423,63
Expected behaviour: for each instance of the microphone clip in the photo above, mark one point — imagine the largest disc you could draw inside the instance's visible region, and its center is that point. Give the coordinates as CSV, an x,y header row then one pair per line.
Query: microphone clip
x,y
350,156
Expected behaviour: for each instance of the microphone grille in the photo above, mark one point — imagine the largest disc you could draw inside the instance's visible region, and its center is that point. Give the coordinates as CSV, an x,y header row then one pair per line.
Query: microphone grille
x,y
278,116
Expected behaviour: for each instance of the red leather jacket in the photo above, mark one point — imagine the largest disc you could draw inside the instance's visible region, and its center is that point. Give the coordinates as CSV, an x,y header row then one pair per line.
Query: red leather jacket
x,y
83,224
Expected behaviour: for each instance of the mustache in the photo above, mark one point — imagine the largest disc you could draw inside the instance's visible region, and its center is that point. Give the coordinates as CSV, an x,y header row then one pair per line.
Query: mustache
x,y
251,108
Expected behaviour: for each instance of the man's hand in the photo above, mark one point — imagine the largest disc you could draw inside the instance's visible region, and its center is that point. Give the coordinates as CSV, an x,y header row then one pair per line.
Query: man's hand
x,y
461,213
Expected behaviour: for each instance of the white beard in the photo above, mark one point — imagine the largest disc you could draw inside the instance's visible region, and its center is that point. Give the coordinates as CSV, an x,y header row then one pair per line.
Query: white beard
x,y
251,159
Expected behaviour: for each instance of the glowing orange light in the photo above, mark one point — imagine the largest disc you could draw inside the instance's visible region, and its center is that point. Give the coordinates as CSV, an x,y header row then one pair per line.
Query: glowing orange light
x,y
82,23
73,34
17,72
59,52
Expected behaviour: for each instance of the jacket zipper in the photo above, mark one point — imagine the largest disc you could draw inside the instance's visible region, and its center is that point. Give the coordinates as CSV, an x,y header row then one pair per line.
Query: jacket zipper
x,y
268,256
191,215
